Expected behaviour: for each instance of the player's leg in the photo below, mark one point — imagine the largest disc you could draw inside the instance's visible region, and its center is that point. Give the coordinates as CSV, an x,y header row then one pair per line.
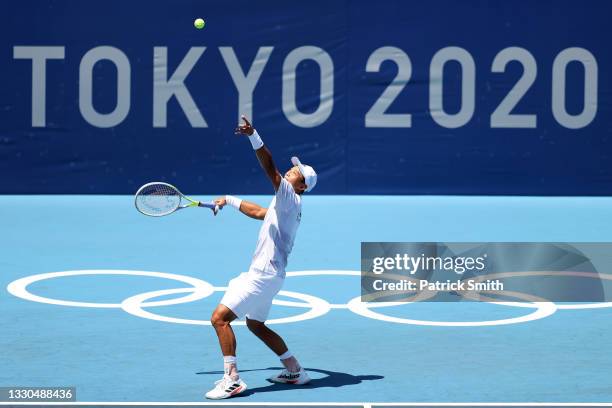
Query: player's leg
x,y
230,384
235,302
293,372
220,320
268,336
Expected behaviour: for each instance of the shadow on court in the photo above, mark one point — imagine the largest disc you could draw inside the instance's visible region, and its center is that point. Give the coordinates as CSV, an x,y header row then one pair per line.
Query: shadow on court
x,y
332,379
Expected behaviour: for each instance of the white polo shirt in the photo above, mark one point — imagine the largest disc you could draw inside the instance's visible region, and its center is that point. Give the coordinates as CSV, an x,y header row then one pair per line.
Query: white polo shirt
x,y
278,231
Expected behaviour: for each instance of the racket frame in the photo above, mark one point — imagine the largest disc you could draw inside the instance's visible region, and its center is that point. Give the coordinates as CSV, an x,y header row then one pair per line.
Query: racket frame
x,y
191,203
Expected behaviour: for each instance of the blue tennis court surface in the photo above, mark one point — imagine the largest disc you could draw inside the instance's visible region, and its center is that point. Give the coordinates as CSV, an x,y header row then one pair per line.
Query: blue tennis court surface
x,y
169,354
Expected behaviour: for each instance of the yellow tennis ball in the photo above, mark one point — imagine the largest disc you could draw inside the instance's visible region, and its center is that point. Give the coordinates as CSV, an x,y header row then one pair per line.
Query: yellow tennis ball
x,y
199,23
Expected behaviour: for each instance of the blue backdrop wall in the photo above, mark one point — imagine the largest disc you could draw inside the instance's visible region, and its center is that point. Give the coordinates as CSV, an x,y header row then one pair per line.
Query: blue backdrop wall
x,y
381,97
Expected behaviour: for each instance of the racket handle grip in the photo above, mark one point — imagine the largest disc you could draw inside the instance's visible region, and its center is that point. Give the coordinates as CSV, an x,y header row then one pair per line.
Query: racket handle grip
x,y
210,205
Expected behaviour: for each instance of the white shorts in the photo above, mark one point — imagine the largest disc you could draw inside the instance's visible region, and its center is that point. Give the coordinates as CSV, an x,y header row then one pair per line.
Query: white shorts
x,y
251,293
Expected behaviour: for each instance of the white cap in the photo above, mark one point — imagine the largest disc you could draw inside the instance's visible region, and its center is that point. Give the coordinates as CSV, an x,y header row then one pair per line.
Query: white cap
x,y
310,176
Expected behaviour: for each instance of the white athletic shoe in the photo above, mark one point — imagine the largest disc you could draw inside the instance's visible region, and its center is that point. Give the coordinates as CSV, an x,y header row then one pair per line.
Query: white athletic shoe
x,y
226,388
287,377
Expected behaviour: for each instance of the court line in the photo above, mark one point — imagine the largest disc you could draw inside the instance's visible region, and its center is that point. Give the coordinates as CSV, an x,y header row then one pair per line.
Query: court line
x,y
309,404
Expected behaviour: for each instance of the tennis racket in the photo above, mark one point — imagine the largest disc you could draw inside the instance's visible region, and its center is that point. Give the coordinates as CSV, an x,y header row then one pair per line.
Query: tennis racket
x,y
158,199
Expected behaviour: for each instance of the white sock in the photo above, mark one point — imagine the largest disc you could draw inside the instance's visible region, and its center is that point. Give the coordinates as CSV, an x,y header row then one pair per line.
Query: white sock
x,y
290,362
230,367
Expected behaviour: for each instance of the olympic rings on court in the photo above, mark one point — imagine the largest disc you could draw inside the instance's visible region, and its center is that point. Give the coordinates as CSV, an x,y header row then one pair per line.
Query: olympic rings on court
x,y
543,309
134,306
200,289
19,287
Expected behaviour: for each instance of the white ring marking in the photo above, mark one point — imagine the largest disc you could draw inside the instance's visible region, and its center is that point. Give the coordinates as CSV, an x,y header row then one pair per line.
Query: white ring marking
x,y
19,287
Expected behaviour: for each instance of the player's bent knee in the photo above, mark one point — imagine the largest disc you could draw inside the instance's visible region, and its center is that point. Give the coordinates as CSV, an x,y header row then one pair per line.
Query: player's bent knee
x,y
216,320
221,317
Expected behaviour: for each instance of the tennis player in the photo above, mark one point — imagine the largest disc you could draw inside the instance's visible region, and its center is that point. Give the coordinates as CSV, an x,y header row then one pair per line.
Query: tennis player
x,y
251,293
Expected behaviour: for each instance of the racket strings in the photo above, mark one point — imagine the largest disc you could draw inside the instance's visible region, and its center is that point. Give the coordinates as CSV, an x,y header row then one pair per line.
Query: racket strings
x,y
158,199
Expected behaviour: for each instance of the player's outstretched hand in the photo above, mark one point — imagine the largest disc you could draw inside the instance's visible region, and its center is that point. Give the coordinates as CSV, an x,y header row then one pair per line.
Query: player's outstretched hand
x,y
246,129
220,202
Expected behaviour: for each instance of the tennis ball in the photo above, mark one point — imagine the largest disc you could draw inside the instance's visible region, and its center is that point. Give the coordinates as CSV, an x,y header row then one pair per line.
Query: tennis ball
x,y
199,23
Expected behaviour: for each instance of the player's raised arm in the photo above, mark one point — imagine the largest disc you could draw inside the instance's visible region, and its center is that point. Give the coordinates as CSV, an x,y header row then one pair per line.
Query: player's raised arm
x,y
263,154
